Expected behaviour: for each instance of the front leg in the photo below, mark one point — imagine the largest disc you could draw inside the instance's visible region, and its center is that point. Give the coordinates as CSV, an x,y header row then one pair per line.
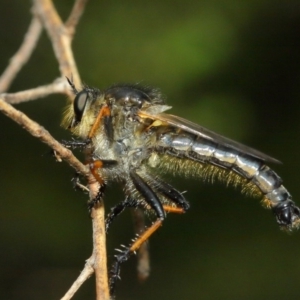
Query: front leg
x,y
75,144
94,168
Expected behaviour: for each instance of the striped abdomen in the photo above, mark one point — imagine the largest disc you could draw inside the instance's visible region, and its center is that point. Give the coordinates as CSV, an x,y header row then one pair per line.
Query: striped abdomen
x,y
223,160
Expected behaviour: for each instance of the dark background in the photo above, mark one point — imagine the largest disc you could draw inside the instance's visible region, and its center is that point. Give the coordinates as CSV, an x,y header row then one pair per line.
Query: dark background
x,y
232,66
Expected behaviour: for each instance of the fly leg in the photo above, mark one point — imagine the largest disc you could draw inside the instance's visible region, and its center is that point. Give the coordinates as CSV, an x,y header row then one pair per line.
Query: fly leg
x,y
143,256
182,205
76,144
128,251
153,201
104,116
143,267
73,144
94,168
118,209
151,198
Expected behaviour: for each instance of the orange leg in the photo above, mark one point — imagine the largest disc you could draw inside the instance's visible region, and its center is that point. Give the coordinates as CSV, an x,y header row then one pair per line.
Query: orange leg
x,y
125,254
145,236
104,112
174,209
94,166
138,242
152,202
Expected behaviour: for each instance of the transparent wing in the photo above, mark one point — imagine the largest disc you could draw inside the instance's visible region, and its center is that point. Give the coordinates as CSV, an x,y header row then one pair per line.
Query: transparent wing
x,y
207,134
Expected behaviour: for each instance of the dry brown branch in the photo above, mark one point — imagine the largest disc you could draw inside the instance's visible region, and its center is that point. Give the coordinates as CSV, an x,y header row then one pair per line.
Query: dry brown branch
x,y
75,16
85,274
23,54
99,239
97,262
61,37
59,86
41,133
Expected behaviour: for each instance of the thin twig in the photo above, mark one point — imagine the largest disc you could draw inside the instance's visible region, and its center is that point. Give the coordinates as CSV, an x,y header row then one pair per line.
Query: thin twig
x,y
42,134
99,243
59,37
75,16
85,274
98,261
23,54
59,86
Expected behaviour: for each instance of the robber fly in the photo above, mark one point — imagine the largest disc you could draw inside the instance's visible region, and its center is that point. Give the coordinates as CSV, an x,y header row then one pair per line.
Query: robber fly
x,y
131,140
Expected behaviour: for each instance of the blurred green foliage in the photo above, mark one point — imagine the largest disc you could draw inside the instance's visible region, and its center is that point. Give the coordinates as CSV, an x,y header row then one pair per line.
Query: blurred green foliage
x,y
232,66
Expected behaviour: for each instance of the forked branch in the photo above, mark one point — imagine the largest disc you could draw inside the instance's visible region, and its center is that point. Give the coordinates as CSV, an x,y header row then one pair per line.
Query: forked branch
x,y
45,16
22,55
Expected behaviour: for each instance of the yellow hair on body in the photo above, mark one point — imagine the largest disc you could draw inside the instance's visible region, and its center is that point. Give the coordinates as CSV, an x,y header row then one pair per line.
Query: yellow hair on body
x,y
206,171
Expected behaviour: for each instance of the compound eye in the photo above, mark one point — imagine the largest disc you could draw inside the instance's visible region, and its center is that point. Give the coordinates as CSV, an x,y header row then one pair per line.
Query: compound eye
x,y
79,105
